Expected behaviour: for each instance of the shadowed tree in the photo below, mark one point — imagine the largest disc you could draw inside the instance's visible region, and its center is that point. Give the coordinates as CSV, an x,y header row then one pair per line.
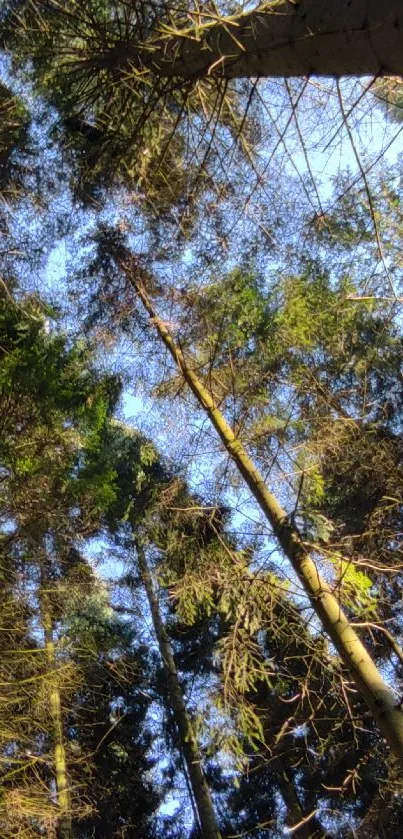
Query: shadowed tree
x,y
139,477
187,41
64,652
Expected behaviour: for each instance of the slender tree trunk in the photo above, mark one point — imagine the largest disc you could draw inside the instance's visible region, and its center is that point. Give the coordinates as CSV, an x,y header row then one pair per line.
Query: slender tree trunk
x,y
303,825
378,696
188,741
62,786
283,38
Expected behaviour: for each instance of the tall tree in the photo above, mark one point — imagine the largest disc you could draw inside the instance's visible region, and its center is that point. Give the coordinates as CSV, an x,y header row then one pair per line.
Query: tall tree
x,y
65,634
124,121
276,39
208,575
139,478
57,733
202,796
378,696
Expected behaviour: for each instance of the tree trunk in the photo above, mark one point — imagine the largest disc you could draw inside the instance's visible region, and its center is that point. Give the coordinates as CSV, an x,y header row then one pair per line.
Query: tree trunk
x,y
292,38
378,696
301,825
188,741
64,828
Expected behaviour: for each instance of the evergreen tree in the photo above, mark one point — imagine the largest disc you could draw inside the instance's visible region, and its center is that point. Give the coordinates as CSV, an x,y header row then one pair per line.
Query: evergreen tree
x,y
62,642
188,42
379,697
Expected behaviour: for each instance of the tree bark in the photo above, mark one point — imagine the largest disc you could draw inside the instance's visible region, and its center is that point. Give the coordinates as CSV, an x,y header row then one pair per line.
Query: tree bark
x,y
188,741
284,38
301,825
64,828
379,698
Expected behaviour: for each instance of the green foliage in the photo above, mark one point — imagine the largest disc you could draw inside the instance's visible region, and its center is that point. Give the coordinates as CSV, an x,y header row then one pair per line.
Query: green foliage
x,y
356,589
55,407
90,622
232,312
389,92
63,638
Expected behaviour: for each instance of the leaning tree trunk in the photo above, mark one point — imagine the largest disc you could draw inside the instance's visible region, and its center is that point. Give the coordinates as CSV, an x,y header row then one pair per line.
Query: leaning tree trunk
x,y
284,38
188,742
64,827
380,699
